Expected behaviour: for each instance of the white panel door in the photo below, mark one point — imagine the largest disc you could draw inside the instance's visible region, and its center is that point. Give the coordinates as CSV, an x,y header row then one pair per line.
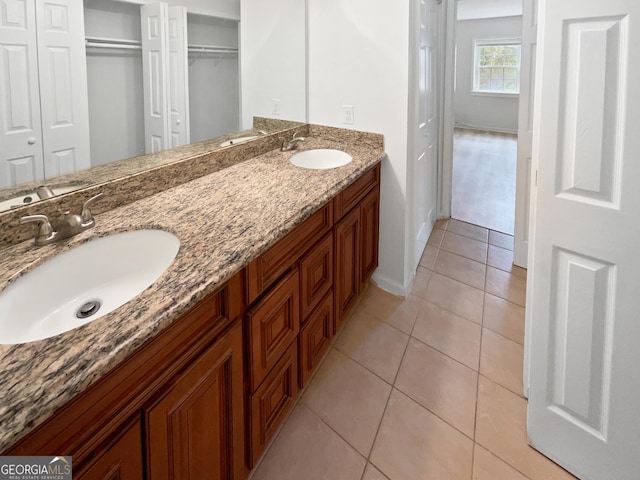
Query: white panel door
x,y
426,164
63,86
525,131
154,67
178,84
20,133
585,264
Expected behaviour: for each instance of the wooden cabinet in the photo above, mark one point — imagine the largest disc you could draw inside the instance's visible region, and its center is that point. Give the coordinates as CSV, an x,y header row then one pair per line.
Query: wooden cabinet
x,y
316,275
272,401
315,338
273,323
195,428
356,240
188,385
121,459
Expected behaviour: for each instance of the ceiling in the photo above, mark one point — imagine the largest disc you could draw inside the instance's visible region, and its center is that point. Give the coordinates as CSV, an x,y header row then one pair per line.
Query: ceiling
x,y
473,9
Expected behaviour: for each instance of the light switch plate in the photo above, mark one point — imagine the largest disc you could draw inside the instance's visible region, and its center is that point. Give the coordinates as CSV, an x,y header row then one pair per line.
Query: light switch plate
x,y
275,106
347,111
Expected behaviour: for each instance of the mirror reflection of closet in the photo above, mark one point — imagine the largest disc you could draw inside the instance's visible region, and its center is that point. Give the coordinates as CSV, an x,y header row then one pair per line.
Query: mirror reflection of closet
x,y
197,91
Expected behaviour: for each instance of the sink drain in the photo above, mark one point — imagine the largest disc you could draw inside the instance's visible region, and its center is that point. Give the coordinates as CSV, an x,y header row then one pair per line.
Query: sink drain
x,y
88,309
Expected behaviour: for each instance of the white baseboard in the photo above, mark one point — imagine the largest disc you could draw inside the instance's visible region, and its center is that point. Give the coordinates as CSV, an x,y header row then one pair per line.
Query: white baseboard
x,y
391,286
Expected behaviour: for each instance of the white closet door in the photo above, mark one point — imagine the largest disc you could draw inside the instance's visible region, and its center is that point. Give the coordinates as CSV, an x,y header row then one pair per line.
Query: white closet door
x,y
178,84
63,86
154,68
20,133
585,263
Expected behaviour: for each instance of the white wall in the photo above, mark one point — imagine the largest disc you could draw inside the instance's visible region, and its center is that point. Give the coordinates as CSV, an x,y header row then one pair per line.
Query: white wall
x,y
358,55
498,113
273,65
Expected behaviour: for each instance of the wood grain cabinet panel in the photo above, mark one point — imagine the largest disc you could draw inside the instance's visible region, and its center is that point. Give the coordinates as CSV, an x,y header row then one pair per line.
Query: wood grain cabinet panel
x,y
315,338
274,322
347,265
273,400
316,275
120,460
268,267
195,429
354,193
370,224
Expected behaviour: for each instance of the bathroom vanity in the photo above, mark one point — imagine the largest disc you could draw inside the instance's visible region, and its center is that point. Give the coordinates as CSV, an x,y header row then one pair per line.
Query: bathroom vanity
x,y
193,377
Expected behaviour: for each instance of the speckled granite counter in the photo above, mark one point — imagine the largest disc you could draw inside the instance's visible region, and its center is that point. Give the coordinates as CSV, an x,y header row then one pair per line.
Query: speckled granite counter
x,y
223,220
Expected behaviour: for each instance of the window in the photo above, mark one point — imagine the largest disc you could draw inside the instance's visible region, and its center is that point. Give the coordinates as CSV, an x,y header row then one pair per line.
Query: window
x,y
497,66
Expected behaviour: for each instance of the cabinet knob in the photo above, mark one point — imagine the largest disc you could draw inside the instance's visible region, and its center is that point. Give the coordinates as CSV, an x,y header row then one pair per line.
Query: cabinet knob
x,y
178,121
31,140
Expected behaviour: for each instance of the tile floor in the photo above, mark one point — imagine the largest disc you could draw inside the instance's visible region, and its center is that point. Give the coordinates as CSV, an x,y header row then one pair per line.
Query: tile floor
x,y
427,388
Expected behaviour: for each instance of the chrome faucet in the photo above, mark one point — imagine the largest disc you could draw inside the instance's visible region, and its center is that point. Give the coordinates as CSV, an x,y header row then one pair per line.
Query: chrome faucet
x,y
70,225
292,144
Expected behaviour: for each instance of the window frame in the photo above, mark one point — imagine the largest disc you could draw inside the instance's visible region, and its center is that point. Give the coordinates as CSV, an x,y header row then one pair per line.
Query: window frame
x,y
477,44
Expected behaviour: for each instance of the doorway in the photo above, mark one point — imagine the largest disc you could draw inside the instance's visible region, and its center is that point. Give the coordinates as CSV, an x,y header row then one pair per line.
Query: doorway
x,y
486,108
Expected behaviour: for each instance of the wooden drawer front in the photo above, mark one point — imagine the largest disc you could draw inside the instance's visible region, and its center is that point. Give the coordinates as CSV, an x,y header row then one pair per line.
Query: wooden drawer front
x,y
369,219
267,268
347,268
315,338
351,196
273,400
273,324
316,275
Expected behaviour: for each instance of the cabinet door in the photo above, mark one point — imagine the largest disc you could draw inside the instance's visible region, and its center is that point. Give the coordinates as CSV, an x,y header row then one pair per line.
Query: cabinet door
x,y
196,430
121,460
370,220
315,338
347,264
316,275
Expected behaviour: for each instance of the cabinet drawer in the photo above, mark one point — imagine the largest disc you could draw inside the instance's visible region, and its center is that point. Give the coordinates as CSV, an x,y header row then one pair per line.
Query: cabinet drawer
x,y
351,196
272,401
274,323
267,268
316,275
315,338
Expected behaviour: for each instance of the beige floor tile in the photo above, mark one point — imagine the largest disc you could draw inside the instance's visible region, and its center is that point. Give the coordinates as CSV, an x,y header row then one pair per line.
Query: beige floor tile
x,y
374,345
500,258
507,286
396,311
435,239
414,444
486,466
468,230
429,257
372,473
440,384
349,398
421,282
501,429
504,317
501,360
291,456
442,223
467,247
449,333
501,240
457,297
461,269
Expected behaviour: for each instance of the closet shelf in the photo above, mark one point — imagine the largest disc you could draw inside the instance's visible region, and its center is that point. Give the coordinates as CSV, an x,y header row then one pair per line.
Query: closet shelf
x,y
101,42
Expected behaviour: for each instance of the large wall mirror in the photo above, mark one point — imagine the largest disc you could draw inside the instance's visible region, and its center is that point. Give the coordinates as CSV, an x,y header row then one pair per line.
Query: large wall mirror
x,y
91,88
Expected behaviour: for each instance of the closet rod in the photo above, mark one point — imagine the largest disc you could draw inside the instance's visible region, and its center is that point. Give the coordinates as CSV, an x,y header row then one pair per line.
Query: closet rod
x,y
101,42
212,49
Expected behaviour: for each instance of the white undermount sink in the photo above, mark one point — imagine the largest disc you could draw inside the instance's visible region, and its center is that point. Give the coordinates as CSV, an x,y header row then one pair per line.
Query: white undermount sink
x,y
321,159
83,284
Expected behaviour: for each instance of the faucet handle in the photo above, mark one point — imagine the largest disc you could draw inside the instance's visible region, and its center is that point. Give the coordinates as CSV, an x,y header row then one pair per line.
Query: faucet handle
x,y
86,213
45,230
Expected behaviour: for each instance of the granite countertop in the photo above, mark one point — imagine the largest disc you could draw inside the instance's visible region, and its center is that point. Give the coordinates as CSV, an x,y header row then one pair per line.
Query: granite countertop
x,y
223,220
